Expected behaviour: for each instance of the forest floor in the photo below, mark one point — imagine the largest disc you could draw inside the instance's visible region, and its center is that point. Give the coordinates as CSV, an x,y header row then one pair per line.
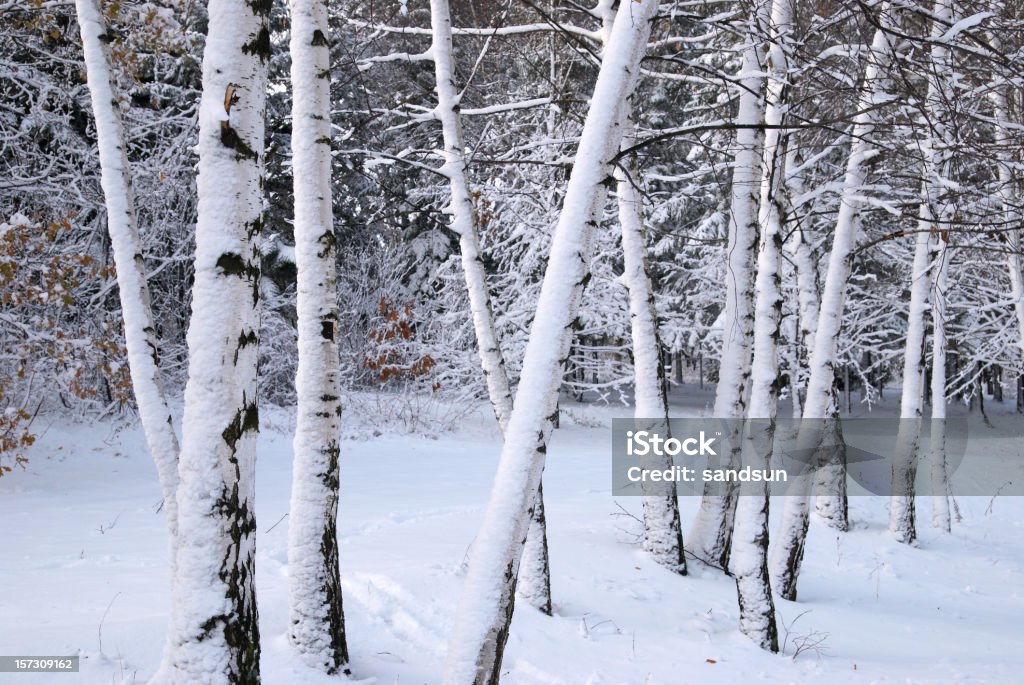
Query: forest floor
x,y
84,571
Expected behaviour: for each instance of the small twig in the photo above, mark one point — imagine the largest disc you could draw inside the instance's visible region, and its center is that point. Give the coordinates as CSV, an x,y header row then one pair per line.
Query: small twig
x,y
99,630
988,509
110,526
623,512
275,525
786,627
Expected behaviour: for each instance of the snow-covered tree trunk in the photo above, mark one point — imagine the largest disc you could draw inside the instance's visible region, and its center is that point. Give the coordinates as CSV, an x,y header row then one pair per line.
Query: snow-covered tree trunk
x,y
748,560
133,290
1009,201
800,254
939,474
901,507
663,537
710,536
317,623
788,552
484,613
535,573
214,614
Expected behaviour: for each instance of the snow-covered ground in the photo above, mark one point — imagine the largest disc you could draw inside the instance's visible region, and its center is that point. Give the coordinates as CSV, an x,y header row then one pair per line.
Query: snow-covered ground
x,y
84,571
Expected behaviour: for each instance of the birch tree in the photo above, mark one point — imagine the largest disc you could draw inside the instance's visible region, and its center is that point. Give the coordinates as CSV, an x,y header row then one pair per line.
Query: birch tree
x,y
710,537
933,224
133,289
787,554
939,474
485,609
317,622
748,560
214,613
535,575
663,536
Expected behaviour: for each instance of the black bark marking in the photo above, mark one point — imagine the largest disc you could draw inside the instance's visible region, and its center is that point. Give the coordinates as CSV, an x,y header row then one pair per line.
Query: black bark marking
x,y
246,419
328,241
327,329
319,39
261,8
259,45
232,264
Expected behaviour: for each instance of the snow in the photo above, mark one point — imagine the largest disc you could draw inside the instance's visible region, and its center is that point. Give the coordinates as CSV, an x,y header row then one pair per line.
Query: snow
x,y
963,25
82,535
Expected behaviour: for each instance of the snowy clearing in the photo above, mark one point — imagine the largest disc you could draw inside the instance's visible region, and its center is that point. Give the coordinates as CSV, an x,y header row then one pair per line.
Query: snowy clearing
x,y
86,572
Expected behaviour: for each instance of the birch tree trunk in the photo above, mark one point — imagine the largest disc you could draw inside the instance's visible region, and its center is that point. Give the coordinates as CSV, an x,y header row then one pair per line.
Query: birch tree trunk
x,y
939,475
1008,198
749,555
535,574
485,609
663,536
214,614
316,617
710,536
133,290
787,554
805,269
901,508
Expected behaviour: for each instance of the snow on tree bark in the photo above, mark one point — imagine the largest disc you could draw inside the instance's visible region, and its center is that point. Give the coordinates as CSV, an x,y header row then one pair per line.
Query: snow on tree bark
x,y
710,536
485,609
317,623
939,474
787,554
663,537
535,573
133,290
939,148
901,506
748,560
214,611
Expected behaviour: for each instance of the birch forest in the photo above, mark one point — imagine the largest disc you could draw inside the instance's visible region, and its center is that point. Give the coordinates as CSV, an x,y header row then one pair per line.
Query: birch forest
x,y
330,330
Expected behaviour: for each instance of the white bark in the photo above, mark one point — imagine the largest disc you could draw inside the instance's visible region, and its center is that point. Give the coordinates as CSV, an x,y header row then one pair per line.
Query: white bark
x,y
214,613
748,560
535,576
712,528
932,223
316,619
663,537
787,554
805,268
901,505
485,608
136,309
939,475
1008,197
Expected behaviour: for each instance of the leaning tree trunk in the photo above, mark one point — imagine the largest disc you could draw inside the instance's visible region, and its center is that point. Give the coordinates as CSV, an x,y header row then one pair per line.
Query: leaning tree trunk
x,y
748,560
317,622
136,310
215,618
663,536
535,573
484,613
787,554
901,507
710,535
